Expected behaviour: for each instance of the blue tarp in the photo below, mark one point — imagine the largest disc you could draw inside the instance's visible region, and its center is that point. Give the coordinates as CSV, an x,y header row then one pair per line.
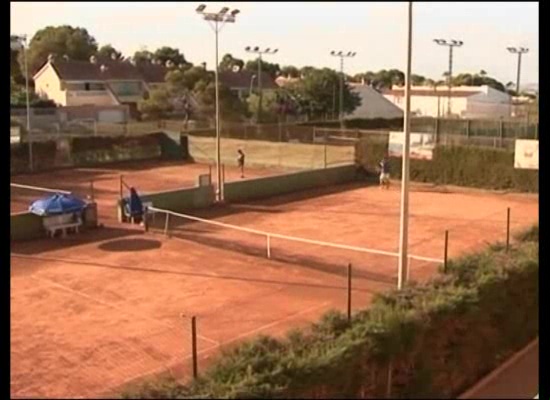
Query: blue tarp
x,y
57,204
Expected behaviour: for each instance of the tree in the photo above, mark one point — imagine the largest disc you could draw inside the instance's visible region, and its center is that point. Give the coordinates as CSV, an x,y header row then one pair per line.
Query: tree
x,y
270,106
318,91
76,43
15,64
289,70
418,80
142,56
157,106
166,53
108,51
228,62
272,69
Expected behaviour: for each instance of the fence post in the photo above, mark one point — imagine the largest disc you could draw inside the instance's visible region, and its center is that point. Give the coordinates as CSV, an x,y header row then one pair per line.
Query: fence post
x,y
508,229
537,131
268,240
120,187
437,130
468,128
194,346
446,251
325,154
349,292
314,134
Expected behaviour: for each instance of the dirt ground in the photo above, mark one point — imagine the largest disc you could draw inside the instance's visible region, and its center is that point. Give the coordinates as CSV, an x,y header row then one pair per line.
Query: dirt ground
x,y
91,312
145,176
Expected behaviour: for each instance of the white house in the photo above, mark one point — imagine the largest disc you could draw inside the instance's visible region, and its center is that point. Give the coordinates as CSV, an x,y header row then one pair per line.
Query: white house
x,y
465,101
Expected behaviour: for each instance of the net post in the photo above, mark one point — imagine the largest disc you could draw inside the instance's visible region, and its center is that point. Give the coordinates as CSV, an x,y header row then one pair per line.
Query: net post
x,y
194,345
167,221
268,239
507,229
445,251
349,292
408,275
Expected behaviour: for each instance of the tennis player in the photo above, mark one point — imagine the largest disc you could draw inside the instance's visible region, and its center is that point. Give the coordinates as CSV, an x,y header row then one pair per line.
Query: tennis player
x,y
240,161
384,166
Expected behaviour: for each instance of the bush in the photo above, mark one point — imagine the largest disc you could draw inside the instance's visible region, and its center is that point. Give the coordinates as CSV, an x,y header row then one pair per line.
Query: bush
x,y
436,339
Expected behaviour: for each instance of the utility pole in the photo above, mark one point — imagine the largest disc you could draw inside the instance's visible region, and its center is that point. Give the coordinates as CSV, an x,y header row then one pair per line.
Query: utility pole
x,y
258,51
217,22
342,55
450,44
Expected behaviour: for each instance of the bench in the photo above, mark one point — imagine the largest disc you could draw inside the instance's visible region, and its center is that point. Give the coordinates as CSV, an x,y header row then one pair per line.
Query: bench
x,y
63,223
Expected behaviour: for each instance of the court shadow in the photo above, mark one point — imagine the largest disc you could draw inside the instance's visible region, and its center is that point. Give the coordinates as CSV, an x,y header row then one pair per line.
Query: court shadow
x,y
134,245
44,245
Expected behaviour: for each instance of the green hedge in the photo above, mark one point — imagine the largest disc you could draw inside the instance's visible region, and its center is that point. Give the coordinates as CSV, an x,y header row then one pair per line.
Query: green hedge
x,y
457,165
436,339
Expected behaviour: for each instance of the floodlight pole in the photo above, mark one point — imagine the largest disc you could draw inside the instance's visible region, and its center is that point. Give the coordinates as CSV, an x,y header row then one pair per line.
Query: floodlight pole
x,y
451,44
404,217
342,55
260,52
219,19
519,51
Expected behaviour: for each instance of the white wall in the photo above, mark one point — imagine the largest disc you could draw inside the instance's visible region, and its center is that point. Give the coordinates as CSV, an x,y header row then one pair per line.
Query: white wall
x,y
47,84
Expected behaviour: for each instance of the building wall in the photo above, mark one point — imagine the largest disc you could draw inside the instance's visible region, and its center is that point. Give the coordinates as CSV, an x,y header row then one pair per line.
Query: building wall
x,y
48,84
431,106
90,97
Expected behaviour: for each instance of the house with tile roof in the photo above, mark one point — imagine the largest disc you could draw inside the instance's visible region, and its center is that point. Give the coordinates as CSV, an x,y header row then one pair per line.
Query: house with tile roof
x,y
97,82
244,81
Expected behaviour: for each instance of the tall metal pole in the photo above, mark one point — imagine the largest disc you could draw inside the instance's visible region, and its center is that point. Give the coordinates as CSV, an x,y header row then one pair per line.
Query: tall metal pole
x,y
341,114
404,217
450,80
259,88
216,18
218,135
258,51
519,73
341,54
451,44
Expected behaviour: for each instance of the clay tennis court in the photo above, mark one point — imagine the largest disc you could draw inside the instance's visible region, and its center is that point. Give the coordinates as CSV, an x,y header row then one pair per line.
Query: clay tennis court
x,y
145,176
94,311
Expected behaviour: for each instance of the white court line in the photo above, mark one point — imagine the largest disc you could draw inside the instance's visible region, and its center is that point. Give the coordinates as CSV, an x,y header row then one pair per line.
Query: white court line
x,y
107,304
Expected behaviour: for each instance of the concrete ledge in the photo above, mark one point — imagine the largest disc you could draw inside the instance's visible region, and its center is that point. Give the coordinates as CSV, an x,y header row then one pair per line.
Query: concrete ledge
x,y
495,373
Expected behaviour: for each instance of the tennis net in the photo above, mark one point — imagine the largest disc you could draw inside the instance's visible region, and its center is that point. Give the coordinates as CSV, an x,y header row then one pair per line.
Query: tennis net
x,y
320,255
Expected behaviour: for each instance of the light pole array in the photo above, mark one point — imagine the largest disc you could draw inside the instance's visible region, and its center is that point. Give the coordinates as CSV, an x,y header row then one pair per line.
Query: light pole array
x,y
217,21
260,52
519,51
342,55
450,44
20,42
404,215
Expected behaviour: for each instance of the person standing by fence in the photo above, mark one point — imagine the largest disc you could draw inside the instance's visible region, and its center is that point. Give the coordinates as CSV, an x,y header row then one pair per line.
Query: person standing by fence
x,y
240,161
384,166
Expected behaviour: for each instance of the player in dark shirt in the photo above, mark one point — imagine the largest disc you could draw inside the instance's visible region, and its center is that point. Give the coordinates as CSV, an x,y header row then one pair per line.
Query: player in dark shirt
x,y
384,166
240,161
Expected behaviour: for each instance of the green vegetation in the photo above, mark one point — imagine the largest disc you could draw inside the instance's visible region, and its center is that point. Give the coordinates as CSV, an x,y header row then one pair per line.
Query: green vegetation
x,y
477,167
435,340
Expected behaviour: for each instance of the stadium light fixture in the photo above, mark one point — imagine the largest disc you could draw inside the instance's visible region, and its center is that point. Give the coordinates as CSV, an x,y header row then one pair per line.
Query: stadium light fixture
x,y
342,55
452,43
217,22
260,52
519,51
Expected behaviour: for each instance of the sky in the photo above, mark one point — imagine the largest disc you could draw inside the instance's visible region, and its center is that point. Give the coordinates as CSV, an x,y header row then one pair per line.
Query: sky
x,y
306,32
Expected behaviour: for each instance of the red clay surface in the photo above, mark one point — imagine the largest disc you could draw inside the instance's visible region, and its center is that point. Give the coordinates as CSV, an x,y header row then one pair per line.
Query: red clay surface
x,y
145,176
91,312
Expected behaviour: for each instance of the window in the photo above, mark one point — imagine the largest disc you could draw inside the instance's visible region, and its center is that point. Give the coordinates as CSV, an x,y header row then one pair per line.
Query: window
x,y
86,86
